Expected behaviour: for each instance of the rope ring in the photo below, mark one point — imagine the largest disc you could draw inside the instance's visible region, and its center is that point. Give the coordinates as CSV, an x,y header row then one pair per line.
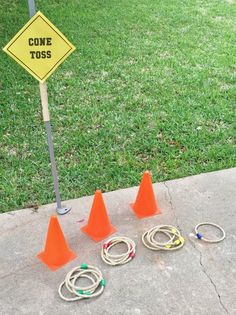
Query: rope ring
x,y
175,241
83,271
118,259
200,236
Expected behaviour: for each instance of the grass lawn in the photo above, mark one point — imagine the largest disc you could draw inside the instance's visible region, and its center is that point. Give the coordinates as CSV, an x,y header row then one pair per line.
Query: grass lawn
x,y
151,86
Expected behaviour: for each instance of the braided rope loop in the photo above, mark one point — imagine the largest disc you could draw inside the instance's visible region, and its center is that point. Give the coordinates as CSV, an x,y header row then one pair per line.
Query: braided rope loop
x,y
200,235
175,241
118,259
93,274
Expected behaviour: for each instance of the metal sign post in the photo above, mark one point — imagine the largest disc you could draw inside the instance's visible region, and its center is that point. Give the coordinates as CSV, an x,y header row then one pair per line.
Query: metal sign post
x,y
39,47
46,118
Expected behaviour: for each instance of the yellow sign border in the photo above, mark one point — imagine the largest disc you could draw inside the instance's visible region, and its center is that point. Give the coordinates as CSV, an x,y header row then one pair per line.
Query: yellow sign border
x,y
56,30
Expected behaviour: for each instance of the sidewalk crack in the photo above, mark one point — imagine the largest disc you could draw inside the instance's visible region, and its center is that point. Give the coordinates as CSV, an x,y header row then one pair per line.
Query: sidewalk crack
x,y
209,277
203,268
171,205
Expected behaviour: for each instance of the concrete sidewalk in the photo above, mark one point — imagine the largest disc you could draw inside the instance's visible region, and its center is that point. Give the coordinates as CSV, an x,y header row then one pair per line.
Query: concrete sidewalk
x,y
198,279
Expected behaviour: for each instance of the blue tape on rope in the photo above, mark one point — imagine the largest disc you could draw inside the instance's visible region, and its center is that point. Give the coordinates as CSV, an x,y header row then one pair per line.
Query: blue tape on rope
x,y
199,236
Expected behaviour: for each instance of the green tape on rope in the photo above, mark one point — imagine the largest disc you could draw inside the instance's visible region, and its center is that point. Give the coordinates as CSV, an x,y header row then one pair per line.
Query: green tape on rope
x,y
102,283
84,266
80,291
71,283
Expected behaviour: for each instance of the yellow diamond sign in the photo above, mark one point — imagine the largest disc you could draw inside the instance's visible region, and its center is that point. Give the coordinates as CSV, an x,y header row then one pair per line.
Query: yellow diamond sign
x,y
39,47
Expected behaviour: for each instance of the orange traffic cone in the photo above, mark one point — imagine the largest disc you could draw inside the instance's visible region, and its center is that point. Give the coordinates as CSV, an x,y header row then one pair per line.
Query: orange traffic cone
x,y
145,204
99,226
56,252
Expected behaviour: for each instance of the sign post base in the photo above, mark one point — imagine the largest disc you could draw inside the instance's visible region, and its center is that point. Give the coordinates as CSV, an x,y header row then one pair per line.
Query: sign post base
x,y
63,210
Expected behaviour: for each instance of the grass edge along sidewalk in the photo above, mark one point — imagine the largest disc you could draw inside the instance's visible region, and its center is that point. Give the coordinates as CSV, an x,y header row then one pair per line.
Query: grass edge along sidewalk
x,y
150,86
